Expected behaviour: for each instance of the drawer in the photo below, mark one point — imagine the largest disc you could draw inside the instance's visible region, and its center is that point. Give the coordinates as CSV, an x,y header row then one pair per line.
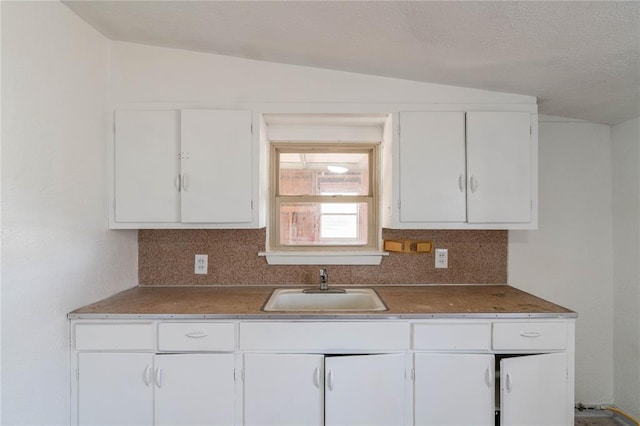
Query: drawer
x,y
324,336
125,336
196,336
529,336
451,336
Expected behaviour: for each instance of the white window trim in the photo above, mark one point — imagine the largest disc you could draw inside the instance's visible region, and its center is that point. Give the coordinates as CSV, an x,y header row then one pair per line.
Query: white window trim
x,y
370,254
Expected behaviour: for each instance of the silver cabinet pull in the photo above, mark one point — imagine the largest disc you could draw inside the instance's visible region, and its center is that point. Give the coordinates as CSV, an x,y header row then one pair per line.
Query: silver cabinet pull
x,y
488,377
316,377
196,334
461,182
146,376
330,380
530,334
178,183
159,377
473,184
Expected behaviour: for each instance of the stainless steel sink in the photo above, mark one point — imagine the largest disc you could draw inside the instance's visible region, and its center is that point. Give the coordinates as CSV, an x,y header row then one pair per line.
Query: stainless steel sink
x,y
352,300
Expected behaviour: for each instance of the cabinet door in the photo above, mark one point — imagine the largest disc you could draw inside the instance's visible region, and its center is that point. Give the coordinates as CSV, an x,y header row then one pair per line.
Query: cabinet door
x,y
498,167
194,389
454,389
534,390
432,167
283,389
147,144
365,390
115,389
216,166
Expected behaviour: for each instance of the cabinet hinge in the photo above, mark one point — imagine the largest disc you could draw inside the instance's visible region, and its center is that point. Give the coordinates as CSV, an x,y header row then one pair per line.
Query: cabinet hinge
x,y
251,204
399,204
251,128
238,374
530,129
114,204
77,374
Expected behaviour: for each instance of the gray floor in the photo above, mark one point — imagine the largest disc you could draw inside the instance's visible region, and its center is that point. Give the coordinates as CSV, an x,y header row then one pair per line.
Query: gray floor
x,y
600,418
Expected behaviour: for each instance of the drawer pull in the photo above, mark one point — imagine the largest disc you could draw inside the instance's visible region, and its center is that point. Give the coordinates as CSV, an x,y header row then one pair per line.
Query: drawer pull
x,y
508,383
196,334
530,334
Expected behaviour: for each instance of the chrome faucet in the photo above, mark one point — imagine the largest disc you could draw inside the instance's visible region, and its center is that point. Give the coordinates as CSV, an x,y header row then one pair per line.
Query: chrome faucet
x,y
324,285
324,279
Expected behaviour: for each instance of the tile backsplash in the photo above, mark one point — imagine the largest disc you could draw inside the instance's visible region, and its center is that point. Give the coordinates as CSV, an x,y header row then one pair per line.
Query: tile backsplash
x,y
166,257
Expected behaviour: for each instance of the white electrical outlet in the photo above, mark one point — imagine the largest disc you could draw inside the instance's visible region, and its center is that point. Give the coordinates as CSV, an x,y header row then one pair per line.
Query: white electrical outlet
x,y
202,264
442,258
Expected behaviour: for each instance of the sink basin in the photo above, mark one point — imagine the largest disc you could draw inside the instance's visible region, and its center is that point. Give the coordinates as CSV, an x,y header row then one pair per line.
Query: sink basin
x,y
354,299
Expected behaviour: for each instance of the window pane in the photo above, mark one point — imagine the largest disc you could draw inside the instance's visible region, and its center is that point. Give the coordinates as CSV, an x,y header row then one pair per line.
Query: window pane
x,y
324,173
317,224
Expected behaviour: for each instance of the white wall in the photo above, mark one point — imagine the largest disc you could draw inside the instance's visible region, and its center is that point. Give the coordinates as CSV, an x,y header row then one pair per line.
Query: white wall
x,y
568,260
154,74
57,252
625,140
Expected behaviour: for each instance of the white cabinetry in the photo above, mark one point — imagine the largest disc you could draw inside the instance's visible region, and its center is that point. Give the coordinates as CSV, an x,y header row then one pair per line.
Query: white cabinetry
x,y
312,389
121,383
513,377
181,169
283,389
115,389
323,372
474,170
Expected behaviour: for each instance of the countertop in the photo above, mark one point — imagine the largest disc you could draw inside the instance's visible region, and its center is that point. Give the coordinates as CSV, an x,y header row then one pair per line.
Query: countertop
x,y
245,302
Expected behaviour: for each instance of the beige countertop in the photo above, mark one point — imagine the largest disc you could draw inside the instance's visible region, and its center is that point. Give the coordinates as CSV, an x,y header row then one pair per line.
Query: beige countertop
x,y
245,302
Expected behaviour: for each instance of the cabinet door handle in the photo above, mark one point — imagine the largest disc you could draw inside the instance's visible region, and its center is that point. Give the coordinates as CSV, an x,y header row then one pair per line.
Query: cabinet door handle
x,y
178,183
330,380
461,182
185,183
473,184
316,377
159,377
530,334
146,376
196,334
488,377
507,382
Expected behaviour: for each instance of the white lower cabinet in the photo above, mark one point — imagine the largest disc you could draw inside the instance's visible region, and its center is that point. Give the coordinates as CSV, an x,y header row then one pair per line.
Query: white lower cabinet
x,y
148,389
115,389
466,389
454,389
194,389
440,372
311,389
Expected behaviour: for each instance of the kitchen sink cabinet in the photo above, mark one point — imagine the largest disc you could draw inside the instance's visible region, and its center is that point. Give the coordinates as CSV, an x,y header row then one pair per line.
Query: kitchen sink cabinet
x,y
182,169
313,389
323,371
474,170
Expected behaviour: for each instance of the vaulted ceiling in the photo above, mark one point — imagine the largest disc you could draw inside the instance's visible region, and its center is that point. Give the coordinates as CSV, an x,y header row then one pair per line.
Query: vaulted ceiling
x,y
580,59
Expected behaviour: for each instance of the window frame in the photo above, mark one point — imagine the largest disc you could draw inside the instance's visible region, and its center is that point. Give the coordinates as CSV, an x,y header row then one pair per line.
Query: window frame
x,y
372,149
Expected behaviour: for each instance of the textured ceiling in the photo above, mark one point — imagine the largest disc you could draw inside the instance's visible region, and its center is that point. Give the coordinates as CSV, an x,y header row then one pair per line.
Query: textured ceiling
x,y
580,59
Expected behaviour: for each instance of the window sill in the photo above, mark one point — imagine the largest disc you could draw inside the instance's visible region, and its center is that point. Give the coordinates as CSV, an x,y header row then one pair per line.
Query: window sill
x,y
323,258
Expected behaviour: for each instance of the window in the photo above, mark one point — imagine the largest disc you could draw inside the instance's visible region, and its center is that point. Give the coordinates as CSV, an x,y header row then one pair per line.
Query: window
x,y
324,196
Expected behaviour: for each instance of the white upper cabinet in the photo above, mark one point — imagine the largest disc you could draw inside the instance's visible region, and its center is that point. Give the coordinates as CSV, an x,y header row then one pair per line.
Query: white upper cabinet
x,y
432,167
183,169
474,170
147,166
499,167
216,166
